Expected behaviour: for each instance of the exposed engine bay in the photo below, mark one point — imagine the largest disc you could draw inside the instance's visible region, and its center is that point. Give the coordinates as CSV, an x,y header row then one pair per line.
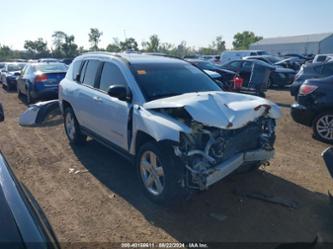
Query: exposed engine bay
x,y
207,147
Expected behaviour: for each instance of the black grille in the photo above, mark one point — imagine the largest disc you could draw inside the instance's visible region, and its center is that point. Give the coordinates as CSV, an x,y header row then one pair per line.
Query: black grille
x,y
241,140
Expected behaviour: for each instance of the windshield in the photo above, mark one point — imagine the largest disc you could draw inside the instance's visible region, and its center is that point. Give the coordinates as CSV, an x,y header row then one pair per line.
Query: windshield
x,y
171,79
15,67
51,67
274,59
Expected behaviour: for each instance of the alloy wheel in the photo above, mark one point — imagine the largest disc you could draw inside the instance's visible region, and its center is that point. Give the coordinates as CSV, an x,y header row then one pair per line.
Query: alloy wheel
x,y
152,173
324,127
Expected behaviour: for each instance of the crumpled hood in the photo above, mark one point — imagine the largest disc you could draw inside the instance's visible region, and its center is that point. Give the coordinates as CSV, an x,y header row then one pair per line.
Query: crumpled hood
x,y
219,109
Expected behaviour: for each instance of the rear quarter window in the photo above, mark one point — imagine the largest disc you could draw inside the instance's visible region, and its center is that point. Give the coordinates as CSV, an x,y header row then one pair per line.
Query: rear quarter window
x,y
76,66
91,73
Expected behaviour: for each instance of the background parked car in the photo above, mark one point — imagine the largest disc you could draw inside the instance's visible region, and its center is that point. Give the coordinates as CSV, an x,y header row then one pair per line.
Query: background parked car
x,y
228,56
279,77
302,58
291,62
9,74
2,65
311,71
48,60
322,58
226,76
314,107
40,80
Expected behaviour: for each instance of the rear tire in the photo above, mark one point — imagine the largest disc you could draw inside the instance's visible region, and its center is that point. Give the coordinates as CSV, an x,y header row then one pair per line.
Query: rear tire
x,y
323,127
160,173
72,128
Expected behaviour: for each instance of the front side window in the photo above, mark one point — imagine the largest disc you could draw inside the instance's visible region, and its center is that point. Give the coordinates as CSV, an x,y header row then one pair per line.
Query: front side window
x,y
111,75
161,80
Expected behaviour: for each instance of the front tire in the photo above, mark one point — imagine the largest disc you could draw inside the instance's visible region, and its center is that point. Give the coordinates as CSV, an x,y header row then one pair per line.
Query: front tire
x,y
160,173
323,127
72,128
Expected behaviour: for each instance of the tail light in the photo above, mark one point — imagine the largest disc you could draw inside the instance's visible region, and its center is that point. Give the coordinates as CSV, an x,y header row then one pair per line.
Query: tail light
x,y
238,82
307,89
41,78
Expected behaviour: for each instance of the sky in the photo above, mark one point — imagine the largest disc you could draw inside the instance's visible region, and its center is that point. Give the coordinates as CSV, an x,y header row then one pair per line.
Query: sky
x,y
196,21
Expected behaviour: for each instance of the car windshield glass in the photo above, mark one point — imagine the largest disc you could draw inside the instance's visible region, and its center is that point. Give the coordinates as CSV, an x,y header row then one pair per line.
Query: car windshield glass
x,y
274,59
15,67
160,80
51,67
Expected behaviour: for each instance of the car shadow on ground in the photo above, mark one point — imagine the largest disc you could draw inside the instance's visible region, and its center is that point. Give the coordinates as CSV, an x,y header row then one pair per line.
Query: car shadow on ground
x,y
219,214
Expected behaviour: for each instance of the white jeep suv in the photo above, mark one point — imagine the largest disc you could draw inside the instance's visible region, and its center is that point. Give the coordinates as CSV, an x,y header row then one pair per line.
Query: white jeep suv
x,y
181,131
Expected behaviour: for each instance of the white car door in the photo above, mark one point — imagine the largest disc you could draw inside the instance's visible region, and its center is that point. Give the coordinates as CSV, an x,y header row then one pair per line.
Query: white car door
x,y
84,104
112,114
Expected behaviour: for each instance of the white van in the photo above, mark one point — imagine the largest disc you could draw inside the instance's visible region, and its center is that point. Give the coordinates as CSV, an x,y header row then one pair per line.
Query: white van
x,y
231,55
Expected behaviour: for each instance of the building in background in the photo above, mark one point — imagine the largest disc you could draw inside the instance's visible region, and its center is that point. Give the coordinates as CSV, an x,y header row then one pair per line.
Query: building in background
x,y
301,44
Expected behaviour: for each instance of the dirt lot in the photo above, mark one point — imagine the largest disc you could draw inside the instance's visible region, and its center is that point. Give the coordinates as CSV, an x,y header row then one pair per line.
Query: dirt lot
x,y
106,204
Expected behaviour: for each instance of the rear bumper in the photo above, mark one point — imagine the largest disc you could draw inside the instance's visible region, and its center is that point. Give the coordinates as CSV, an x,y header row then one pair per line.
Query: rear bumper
x,y
227,167
301,114
45,92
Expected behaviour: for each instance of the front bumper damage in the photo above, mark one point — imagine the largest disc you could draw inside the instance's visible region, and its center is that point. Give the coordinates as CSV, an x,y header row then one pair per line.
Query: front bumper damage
x,y
224,169
211,154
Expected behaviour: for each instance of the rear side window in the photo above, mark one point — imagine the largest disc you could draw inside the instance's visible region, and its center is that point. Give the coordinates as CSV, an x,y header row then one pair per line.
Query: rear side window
x,y
321,58
90,72
76,69
247,66
111,75
83,71
235,64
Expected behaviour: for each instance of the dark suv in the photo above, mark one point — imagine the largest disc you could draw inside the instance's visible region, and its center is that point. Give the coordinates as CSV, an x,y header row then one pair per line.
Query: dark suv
x,y
311,71
315,107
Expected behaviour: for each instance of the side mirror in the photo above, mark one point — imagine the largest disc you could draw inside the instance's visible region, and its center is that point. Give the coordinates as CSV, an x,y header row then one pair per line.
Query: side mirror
x,y
2,114
120,92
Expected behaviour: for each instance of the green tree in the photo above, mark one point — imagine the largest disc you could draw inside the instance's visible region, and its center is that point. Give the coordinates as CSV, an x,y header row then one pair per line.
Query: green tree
x,y
69,47
153,45
5,52
244,40
37,48
114,47
219,45
129,44
64,45
94,38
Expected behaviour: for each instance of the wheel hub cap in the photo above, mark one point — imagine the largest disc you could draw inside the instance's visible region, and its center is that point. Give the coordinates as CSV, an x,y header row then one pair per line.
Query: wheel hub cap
x,y
152,173
325,127
70,127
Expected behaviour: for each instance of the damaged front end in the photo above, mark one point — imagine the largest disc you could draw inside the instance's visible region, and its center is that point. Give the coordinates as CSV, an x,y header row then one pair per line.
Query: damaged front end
x,y
225,132
210,154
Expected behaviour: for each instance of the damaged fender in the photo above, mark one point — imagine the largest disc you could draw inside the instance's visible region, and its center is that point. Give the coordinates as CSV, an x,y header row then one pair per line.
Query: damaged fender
x,y
158,125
